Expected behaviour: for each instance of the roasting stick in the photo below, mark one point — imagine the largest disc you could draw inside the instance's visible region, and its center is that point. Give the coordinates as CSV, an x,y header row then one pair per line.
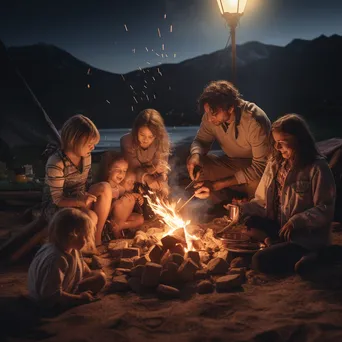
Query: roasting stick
x,y
186,203
190,184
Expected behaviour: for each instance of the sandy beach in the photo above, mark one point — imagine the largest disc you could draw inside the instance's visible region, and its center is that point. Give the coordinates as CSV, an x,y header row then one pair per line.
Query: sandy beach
x,y
265,309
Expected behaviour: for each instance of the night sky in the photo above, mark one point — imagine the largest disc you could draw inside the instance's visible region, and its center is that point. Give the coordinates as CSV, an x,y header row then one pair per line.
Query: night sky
x,y
94,31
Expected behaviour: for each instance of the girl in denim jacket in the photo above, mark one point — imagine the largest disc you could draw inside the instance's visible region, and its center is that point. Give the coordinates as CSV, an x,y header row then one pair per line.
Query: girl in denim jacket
x,y
294,203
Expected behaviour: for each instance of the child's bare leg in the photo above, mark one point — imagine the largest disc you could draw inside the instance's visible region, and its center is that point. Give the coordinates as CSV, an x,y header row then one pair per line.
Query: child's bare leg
x,y
103,192
94,281
122,215
134,221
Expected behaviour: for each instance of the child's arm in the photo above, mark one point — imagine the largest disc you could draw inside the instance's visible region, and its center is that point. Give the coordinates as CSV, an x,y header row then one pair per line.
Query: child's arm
x,y
76,299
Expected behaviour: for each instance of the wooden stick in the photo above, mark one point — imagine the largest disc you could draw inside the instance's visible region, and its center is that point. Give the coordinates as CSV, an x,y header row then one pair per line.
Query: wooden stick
x,y
190,184
185,203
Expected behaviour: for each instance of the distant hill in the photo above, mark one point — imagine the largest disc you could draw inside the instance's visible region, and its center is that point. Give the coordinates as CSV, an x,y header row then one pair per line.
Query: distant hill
x,y
303,77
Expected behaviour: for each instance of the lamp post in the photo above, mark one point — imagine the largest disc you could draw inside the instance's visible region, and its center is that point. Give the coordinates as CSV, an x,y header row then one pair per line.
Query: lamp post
x,y
231,11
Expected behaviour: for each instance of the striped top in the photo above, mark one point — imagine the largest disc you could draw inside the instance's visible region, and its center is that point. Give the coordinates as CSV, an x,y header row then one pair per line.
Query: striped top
x,y
64,179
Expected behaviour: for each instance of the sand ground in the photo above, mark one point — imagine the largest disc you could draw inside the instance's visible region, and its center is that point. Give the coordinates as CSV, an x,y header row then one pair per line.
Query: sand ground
x,y
266,309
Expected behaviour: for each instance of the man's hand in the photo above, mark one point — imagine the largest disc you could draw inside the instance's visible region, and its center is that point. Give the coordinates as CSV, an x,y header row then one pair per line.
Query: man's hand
x,y
202,192
286,230
193,161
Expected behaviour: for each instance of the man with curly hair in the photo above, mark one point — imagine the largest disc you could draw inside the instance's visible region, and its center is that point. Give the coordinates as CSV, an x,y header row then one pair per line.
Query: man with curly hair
x,y
242,130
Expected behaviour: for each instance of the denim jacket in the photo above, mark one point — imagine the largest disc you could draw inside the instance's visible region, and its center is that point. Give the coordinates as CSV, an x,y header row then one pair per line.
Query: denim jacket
x,y
308,201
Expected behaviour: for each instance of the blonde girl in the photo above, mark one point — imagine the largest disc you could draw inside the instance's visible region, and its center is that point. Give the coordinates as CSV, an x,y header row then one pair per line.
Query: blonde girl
x,y
58,275
68,175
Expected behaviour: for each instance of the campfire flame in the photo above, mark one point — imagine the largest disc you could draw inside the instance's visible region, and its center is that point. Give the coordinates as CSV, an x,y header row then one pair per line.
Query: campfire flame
x,y
167,213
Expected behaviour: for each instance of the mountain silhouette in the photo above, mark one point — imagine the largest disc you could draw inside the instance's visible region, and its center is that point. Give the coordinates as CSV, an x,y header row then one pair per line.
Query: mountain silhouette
x,y
302,77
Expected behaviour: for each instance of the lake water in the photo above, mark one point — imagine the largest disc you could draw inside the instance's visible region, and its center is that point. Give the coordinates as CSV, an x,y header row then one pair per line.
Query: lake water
x,y
110,138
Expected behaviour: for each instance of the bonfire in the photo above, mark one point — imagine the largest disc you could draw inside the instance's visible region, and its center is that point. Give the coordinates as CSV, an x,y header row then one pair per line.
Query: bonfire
x,y
169,216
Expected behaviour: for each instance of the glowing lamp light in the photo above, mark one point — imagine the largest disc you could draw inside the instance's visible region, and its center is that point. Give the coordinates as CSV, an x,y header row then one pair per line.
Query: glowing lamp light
x,y
232,6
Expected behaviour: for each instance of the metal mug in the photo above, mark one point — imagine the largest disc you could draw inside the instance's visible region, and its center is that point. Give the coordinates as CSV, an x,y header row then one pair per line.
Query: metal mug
x,y
233,211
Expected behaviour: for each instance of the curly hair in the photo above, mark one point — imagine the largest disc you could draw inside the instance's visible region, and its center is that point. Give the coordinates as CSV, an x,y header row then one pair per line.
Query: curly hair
x,y
219,95
304,146
152,119
108,158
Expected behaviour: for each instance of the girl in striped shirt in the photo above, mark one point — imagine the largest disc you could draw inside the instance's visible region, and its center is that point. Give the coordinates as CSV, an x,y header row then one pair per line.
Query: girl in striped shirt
x,y
68,176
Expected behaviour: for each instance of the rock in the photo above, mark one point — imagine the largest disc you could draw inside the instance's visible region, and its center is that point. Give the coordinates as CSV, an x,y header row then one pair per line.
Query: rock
x,y
169,277
223,254
155,234
151,275
228,283
202,274
165,258
241,271
139,241
119,284
135,284
198,244
115,247
121,271
130,252
171,266
205,257
217,266
187,270
137,271
156,253
154,231
176,258
96,263
165,291
142,260
169,241
125,263
179,234
238,262
177,249
205,286
194,256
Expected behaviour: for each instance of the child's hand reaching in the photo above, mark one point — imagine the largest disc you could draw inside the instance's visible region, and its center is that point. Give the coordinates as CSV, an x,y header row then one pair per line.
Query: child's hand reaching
x,y
87,297
87,199
162,167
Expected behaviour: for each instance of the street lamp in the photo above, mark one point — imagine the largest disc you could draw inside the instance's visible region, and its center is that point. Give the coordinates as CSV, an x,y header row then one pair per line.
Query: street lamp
x,y
231,11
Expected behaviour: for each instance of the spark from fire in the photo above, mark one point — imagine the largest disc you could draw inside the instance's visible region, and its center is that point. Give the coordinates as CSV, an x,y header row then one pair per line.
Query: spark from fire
x,y
167,213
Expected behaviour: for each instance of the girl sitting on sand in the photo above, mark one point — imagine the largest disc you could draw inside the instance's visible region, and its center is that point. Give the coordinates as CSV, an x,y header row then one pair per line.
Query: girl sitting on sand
x,y
294,203
58,276
295,198
68,175
147,150
124,200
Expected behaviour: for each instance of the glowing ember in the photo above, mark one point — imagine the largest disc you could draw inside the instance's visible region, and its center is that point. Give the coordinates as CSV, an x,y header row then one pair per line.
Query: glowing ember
x,y
167,213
